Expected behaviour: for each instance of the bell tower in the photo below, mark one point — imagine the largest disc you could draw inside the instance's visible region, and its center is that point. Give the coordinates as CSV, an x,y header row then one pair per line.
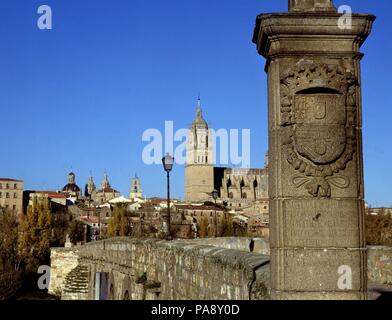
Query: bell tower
x,y
136,189
199,167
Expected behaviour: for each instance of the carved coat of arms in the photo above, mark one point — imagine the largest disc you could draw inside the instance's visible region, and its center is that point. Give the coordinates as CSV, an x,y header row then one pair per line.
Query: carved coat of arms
x,y
318,114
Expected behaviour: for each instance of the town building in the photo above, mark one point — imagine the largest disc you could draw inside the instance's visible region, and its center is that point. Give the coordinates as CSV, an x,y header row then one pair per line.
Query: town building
x,y
11,195
51,196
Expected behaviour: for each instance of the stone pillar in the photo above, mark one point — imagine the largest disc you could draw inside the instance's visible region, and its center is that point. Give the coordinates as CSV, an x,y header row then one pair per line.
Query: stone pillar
x,y
315,151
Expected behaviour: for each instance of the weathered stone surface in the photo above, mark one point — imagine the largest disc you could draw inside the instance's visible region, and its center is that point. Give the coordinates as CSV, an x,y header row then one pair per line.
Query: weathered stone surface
x,y
287,295
174,270
255,245
62,261
313,223
76,284
314,270
311,5
315,149
141,270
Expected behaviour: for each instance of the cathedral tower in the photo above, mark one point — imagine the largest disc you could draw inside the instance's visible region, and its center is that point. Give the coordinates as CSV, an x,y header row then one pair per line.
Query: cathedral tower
x,y
90,188
136,189
199,167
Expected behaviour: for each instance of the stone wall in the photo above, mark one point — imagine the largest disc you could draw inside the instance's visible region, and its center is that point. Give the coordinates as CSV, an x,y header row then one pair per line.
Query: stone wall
x,y
209,268
380,265
255,245
62,261
175,270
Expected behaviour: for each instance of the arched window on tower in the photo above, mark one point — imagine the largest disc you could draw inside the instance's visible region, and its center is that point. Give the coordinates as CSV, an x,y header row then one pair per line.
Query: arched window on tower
x,y
255,184
242,185
228,187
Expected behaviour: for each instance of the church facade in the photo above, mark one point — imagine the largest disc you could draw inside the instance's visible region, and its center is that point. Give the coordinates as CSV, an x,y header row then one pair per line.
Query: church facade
x,y
236,186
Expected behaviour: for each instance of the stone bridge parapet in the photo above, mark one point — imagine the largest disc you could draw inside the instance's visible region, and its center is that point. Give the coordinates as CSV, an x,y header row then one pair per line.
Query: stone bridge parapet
x,y
154,269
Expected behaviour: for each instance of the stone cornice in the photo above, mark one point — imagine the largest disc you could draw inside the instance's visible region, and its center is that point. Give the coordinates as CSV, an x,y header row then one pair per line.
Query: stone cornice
x,y
272,28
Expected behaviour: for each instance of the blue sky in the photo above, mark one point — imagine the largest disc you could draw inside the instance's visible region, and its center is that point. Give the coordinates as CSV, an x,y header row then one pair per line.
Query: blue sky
x,y
80,96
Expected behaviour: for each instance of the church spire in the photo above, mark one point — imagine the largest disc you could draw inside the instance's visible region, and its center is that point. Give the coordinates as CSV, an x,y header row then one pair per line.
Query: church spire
x,y
199,121
199,111
105,183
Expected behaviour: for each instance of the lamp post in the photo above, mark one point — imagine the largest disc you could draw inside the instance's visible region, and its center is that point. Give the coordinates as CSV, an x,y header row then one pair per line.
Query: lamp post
x,y
214,194
167,162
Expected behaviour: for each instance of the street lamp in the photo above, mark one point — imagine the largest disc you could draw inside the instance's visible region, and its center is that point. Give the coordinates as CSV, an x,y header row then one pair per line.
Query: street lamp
x,y
214,194
167,162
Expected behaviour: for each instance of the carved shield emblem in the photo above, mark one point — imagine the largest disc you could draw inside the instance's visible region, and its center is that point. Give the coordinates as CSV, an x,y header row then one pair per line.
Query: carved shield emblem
x,y
319,126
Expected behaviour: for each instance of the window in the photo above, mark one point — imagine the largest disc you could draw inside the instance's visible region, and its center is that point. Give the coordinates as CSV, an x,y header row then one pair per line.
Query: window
x,y
206,159
1,194
7,186
14,207
1,186
7,194
15,195
15,186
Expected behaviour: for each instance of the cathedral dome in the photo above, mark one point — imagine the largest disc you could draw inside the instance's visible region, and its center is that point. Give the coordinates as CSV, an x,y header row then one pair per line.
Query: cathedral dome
x,y
71,186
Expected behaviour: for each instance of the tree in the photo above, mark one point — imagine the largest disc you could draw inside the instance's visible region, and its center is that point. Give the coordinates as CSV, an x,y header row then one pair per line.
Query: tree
x,y
203,227
76,231
226,226
379,229
9,257
120,222
61,225
35,235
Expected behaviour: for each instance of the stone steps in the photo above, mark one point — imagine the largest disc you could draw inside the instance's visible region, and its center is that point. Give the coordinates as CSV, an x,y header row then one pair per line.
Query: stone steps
x,y
77,280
